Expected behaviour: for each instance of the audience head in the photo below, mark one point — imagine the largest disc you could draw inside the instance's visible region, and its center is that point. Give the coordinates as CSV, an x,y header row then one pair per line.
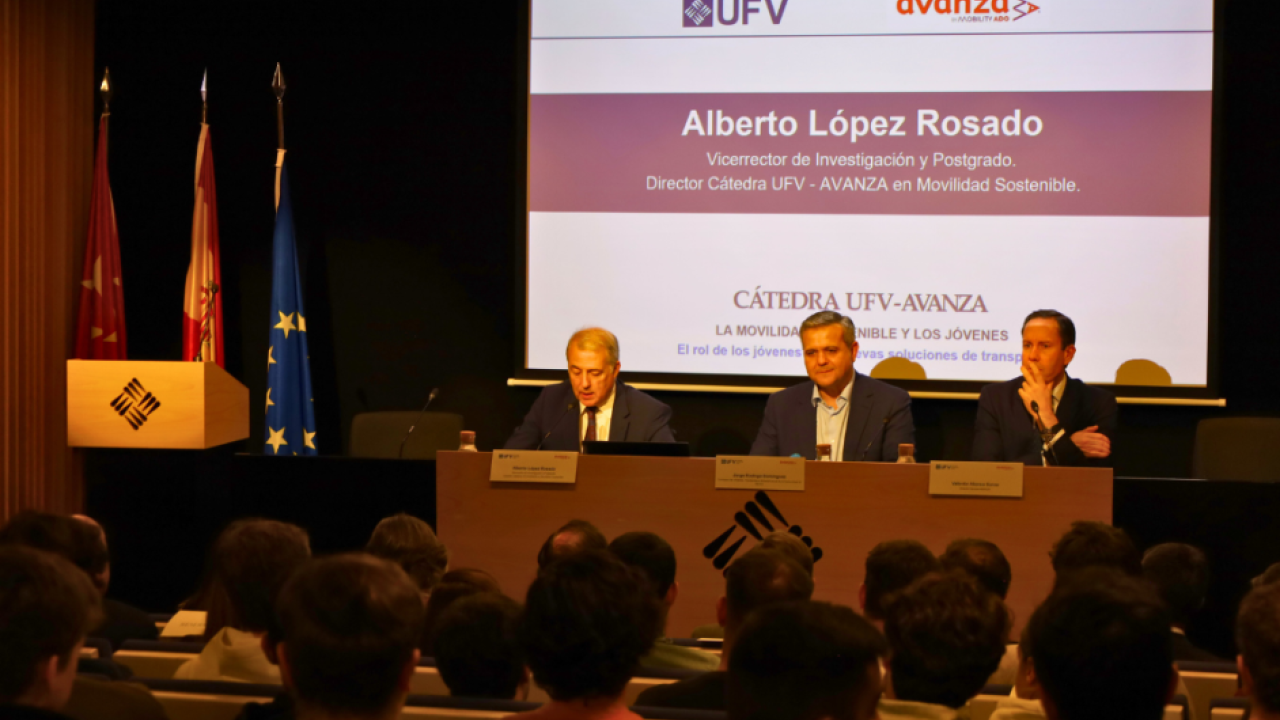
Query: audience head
x,y
477,649
982,560
1094,544
454,586
349,629
946,637
412,544
574,536
1180,574
251,560
890,567
805,661
1268,576
1100,646
651,555
79,543
103,579
760,577
47,606
588,619
1258,637
791,546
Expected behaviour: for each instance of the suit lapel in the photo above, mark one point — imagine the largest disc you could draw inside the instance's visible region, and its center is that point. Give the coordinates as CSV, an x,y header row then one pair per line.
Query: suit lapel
x,y
1069,406
807,431
565,432
859,412
621,414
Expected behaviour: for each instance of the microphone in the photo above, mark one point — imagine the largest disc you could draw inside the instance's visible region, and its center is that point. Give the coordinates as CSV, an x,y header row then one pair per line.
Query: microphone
x,y
405,439
884,427
563,415
1039,428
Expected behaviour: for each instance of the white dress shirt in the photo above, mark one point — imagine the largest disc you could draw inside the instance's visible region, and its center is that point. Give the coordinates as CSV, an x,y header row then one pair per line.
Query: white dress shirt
x,y
833,421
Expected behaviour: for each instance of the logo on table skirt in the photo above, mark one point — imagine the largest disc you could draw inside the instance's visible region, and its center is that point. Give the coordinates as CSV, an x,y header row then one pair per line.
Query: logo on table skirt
x,y
135,404
754,520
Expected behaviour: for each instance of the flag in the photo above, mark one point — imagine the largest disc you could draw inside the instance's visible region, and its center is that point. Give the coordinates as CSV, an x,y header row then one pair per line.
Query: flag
x,y
100,331
291,418
202,320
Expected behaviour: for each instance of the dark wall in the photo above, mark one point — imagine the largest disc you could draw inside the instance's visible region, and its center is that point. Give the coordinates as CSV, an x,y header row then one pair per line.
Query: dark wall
x,y
404,128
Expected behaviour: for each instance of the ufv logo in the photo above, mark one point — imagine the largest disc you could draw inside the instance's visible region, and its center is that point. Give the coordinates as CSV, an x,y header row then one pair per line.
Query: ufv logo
x,y
699,13
727,461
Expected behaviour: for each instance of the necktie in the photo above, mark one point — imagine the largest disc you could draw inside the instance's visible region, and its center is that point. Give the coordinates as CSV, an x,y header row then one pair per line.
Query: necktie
x,y
591,424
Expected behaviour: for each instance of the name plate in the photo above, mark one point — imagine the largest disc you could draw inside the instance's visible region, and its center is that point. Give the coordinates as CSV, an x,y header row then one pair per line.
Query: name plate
x,y
534,466
980,479
185,623
744,472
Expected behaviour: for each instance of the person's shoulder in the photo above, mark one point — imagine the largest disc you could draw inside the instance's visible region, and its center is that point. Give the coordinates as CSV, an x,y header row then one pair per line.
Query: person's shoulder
x,y
866,383
1093,392
700,692
1000,388
796,392
639,398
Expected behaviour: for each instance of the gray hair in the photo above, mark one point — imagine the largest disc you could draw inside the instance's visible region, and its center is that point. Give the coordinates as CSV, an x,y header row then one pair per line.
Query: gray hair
x,y
595,339
829,317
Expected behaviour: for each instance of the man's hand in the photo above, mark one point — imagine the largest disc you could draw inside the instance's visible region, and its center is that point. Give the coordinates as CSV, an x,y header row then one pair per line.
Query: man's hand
x,y
1035,387
1092,443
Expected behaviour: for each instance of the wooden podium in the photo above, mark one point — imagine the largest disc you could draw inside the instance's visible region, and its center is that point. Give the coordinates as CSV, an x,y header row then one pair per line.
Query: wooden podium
x,y
145,404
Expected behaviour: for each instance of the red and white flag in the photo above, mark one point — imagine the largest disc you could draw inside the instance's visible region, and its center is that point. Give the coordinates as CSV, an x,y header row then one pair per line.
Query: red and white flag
x,y
202,301
100,333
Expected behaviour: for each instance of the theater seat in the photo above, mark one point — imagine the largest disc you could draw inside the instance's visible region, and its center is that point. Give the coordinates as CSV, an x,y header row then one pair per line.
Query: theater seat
x,y
1239,448
156,658
984,703
378,434
1204,682
207,700
1229,709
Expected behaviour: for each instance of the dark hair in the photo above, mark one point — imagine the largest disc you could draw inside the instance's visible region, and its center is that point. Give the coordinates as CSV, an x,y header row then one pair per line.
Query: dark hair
x,y
1101,647
791,546
651,554
1066,328
1180,574
823,318
454,586
588,618
802,661
412,544
890,567
477,649
251,560
762,577
1258,637
1095,544
47,606
349,625
572,537
76,541
983,560
1268,576
947,635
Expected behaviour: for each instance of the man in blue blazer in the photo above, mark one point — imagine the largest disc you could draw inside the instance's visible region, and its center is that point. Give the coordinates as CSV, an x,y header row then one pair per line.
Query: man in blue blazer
x,y
1045,417
859,417
592,404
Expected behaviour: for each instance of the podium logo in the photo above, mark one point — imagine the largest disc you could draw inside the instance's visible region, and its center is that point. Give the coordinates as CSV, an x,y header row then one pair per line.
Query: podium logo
x,y
754,521
697,13
135,404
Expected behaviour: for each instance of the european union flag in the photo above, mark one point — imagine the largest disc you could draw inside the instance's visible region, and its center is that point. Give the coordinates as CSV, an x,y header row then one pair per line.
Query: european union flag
x,y
291,417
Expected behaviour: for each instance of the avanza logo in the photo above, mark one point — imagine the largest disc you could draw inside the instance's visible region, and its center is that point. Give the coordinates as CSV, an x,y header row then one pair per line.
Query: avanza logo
x,y
706,13
970,10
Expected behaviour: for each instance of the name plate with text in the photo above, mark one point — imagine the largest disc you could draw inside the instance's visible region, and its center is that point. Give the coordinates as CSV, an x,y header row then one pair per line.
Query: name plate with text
x,y
534,466
743,472
975,479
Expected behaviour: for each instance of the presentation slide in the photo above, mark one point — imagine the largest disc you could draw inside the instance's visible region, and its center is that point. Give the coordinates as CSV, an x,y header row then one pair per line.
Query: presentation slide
x,y
705,174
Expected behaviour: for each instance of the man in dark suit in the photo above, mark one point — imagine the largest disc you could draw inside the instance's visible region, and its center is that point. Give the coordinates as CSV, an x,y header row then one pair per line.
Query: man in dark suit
x,y
1045,417
606,409
860,418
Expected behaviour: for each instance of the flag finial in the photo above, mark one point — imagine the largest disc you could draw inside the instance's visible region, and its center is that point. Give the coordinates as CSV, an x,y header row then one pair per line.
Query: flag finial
x,y
277,84
204,96
106,90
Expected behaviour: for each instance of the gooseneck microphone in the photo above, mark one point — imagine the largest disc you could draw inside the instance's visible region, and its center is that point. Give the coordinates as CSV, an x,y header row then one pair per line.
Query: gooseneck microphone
x,y
563,415
405,439
884,428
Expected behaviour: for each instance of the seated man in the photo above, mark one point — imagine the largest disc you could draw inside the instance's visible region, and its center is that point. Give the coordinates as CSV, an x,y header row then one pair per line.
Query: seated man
x,y
606,409
946,637
574,536
1100,646
759,578
892,566
1090,544
983,560
804,661
654,557
477,649
1180,574
413,545
1258,637
1044,417
858,417
454,586
349,628
47,606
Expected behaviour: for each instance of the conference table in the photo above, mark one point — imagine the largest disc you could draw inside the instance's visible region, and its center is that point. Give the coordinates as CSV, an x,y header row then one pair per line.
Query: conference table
x,y
844,510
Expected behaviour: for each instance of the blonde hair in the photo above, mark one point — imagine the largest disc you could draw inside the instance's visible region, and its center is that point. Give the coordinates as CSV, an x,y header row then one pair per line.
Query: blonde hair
x,y
595,338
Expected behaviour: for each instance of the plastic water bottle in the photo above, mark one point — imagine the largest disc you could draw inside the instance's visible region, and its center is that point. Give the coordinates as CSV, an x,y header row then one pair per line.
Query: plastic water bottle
x,y
467,441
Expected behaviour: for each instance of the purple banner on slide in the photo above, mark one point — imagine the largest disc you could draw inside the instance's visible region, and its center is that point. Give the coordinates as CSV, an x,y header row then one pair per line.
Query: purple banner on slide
x,y
1063,153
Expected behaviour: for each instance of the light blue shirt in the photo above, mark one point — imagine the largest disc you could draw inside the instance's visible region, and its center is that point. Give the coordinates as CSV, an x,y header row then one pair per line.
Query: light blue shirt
x,y
833,421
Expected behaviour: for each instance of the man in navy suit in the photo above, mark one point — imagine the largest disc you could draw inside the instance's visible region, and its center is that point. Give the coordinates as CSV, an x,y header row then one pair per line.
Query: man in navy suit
x,y
860,418
1045,417
605,408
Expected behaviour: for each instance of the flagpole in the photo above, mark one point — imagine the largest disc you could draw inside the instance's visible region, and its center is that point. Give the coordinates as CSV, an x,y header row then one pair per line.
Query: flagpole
x,y
211,287
204,97
106,91
277,84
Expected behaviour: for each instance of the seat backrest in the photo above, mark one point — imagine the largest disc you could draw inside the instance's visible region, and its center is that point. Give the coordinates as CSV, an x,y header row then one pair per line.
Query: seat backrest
x,y
207,700
427,681
1238,448
1229,709
378,434
152,663
1202,688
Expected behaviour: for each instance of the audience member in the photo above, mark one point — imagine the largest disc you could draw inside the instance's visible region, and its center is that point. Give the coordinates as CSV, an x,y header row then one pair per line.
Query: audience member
x,y
1024,702
47,607
805,661
1258,637
890,567
1268,576
478,650
453,586
574,536
251,560
981,559
759,578
587,620
946,637
791,546
1100,647
1180,574
349,628
1093,544
652,555
412,544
